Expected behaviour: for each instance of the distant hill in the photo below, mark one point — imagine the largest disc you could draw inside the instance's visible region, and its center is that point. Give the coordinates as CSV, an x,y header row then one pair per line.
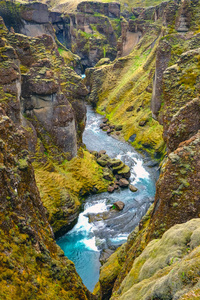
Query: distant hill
x,y
70,5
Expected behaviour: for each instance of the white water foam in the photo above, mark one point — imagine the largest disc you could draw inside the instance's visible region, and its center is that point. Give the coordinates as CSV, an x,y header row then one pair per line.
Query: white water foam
x,y
90,244
85,227
97,207
140,171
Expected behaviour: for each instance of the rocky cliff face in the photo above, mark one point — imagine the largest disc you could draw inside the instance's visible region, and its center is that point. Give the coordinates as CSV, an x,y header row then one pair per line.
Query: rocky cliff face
x,y
91,32
32,265
47,92
175,104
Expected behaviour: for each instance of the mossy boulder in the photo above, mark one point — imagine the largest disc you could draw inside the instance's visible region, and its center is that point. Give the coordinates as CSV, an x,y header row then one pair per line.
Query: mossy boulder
x,y
124,172
103,61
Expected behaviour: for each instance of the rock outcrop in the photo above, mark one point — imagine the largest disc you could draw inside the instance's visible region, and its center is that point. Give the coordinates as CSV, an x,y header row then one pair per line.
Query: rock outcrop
x,y
44,96
91,32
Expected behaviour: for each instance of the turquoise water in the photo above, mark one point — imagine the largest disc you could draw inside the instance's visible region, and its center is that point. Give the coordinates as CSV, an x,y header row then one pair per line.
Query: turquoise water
x,y
84,242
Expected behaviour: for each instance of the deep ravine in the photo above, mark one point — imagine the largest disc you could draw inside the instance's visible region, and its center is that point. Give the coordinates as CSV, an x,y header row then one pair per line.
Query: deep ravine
x,y
85,241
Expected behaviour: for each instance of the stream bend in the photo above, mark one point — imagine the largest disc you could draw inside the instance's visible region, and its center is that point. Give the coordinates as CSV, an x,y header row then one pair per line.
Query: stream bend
x,y
84,242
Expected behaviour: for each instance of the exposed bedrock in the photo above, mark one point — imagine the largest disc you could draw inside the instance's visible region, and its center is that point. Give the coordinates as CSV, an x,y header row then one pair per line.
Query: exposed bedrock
x,y
47,92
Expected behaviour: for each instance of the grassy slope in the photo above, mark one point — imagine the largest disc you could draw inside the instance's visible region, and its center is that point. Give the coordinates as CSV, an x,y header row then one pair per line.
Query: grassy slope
x,y
126,4
68,182
129,83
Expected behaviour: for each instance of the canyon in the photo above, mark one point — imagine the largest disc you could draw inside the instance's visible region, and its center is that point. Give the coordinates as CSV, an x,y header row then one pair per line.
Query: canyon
x,y
142,66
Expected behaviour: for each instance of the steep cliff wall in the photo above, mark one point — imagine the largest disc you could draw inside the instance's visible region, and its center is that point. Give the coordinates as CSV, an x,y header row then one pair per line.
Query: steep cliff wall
x,y
140,268
32,265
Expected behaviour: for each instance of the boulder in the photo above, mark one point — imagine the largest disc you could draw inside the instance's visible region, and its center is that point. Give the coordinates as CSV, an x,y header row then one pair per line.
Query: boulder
x,y
101,152
102,162
123,182
114,162
95,153
119,167
119,205
118,127
116,186
107,174
125,172
142,122
105,120
130,108
111,189
132,188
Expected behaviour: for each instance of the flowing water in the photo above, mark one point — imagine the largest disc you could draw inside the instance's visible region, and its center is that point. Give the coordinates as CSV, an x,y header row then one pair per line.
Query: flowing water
x,y
108,229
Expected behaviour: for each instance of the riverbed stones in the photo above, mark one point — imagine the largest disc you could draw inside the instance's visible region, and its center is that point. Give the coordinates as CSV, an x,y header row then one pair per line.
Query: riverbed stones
x,y
123,182
111,189
108,127
125,172
119,205
107,174
112,167
118,127
114,162
101,152
132,188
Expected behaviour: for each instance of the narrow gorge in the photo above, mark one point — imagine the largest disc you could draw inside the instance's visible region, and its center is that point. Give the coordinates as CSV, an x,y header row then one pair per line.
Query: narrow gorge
x,y
83,181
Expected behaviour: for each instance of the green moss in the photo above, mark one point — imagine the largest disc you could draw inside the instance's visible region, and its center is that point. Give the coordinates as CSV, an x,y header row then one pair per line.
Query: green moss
x,y
166,266
22,164
126,83
62,190
11,14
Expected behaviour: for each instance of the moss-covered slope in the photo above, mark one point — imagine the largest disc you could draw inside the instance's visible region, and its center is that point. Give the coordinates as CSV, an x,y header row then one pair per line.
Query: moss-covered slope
x,y
167,268
123,90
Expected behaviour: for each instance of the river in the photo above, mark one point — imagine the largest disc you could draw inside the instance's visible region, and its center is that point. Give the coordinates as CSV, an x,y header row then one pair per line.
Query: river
x,y
84,242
